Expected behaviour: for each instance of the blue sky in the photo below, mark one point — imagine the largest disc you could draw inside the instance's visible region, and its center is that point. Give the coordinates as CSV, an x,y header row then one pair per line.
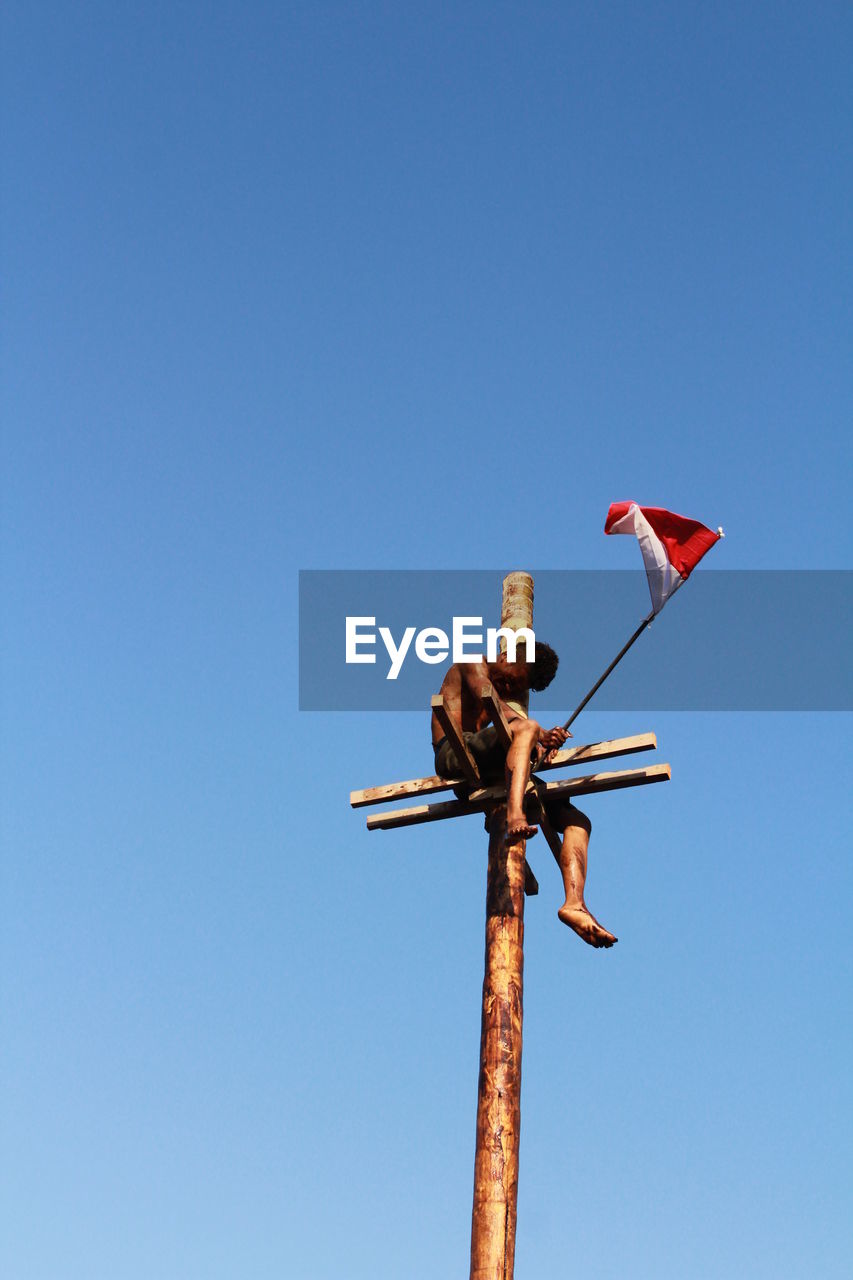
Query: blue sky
x,y
366,286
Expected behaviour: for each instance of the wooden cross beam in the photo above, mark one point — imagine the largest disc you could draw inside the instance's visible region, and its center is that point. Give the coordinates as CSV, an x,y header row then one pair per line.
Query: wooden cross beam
x,y
430,785
509,879
454,737
492,703
570,756
481,798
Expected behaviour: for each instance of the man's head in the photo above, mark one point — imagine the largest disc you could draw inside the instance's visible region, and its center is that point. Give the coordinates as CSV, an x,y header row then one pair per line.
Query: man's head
x,y
542,671
535,675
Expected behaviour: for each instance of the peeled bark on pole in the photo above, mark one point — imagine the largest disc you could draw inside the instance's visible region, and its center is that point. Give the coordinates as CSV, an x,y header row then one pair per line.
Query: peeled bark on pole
x,y
499,1091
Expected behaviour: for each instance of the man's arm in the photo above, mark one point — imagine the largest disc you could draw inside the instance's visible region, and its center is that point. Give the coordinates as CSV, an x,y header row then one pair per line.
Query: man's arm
x,y
550,741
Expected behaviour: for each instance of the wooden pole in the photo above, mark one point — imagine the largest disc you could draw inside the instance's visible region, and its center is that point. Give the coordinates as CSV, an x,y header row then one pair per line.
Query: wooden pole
x,y
498,1107
499,1092
499,1089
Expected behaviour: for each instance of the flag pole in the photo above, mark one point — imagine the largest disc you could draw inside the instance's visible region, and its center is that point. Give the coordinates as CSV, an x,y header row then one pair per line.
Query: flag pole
x,y
600,681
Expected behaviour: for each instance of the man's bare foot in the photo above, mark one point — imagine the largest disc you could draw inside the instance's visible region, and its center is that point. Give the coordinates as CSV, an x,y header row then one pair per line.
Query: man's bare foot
x,y
519,829
586,926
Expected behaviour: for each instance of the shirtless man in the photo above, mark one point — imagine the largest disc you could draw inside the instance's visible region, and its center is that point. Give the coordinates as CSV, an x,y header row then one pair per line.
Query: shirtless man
x,y
531,746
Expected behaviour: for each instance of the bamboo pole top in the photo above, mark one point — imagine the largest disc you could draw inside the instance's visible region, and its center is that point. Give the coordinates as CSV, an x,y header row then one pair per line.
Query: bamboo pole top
x,y
517,601
517,612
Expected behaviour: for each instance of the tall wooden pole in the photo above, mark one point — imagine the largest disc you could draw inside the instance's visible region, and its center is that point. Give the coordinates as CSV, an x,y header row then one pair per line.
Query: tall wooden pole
x,y
499,1090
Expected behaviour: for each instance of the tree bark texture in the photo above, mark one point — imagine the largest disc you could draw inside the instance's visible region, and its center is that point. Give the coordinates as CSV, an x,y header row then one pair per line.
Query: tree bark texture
x,y
499,1091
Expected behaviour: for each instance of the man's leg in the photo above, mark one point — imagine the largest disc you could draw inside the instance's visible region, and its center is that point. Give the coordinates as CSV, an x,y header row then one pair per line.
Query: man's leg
x,y
525,735
573,859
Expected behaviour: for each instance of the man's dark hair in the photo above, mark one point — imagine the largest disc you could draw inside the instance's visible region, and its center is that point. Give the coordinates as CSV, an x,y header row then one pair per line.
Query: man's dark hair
x,y
543,670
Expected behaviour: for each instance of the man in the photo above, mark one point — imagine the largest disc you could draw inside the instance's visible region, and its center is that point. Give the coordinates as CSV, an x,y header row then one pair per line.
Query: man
x,y
531,746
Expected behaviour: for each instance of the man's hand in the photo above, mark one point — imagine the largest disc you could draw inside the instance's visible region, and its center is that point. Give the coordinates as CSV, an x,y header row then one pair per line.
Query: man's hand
x,y
550,741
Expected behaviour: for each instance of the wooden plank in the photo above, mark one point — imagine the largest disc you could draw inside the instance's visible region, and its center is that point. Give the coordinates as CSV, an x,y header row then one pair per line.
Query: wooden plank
x,y
481,797
538,815
421,813
571,756
491,702
403,790
531,884
587,784
602,751
555,843
618,780
454,737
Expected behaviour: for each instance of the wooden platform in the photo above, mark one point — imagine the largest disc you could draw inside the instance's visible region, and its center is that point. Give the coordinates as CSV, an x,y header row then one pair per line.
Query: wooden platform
x,y
570,756
479,797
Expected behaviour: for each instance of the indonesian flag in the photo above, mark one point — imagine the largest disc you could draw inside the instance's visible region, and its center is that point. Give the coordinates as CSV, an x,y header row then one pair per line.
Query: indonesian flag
x,y
672,545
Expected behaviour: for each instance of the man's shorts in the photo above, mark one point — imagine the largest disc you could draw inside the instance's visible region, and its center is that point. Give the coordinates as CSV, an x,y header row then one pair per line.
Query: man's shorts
x,y
490,757
486,748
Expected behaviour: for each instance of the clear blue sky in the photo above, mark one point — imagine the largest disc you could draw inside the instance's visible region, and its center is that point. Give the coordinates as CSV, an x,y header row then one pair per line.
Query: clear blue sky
x,y
308,285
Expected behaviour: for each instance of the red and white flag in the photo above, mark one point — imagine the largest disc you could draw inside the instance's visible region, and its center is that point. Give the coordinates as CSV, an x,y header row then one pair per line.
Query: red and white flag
x,y
672,545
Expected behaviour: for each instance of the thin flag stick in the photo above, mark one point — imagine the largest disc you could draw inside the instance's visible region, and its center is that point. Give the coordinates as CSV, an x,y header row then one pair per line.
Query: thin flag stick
x,y
600,681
